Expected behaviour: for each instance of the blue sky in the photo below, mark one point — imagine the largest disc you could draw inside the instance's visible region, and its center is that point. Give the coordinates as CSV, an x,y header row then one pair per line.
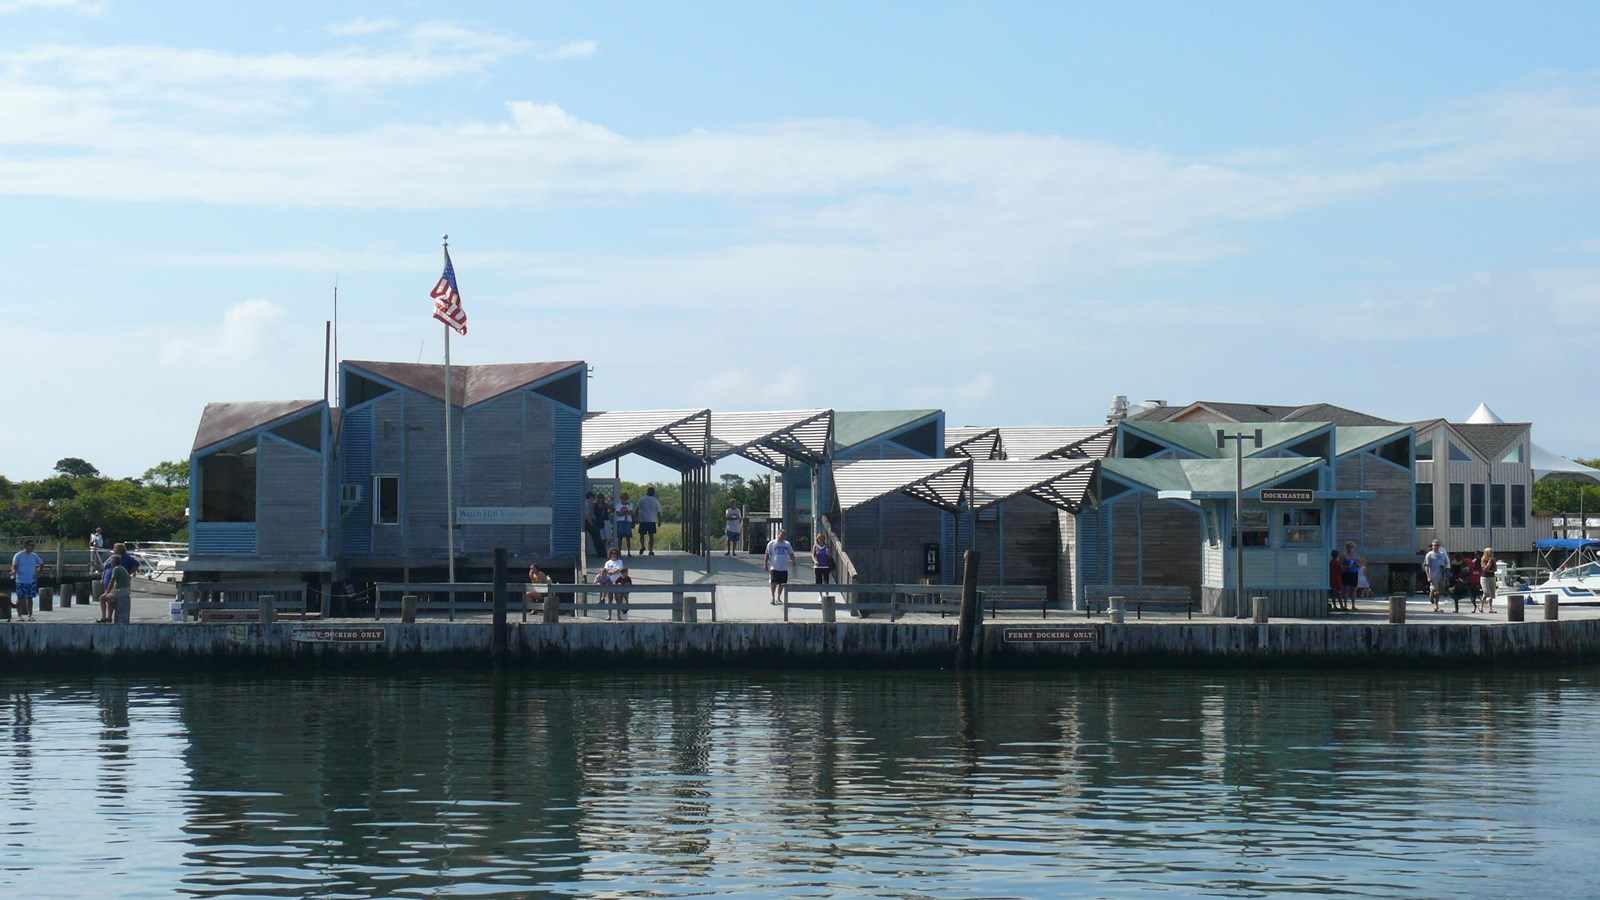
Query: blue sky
x,y
1010,211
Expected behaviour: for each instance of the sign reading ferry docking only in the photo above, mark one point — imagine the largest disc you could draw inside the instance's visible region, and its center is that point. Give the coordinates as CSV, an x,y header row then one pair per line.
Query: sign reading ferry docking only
x,y
1037,635
1286,495
326,635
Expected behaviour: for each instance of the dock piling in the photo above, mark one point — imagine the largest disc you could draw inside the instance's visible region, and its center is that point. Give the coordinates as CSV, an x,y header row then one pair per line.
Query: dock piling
x,y
967,624
1115,611
1259,607
1397,609
1552,607
1514,607
46,599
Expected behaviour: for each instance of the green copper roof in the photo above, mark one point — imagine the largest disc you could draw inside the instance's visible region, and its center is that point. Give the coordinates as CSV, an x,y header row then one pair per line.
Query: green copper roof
x,y
854,427
1203,476
1350,438
1200,438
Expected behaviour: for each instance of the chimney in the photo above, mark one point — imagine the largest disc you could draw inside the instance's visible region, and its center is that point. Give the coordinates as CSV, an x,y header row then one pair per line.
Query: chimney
x,y
1119,409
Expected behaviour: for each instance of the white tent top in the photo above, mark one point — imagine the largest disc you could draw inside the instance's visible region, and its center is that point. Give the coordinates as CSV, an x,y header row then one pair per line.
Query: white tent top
x,y
1545,464
945,483
1063,483
776,440
679,438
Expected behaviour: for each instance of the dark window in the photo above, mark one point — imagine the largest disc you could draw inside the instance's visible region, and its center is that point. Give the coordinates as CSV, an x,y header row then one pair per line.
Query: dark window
x,y
386,499
1458,505
1424,506
1458,455
1397,452
305,431
1519,506
228,484
1302,527
358,390
1253,528
1497,506
1424,451
1477,505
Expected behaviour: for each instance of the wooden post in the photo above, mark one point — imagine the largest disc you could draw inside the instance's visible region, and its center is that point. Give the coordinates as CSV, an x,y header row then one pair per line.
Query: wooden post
x,y
967,625
1552,607
552,607
830,613
690,607
1397,609
1115,611
5,606
1514,607
497,637
408,608
1259,607
681,613
46,599
264,603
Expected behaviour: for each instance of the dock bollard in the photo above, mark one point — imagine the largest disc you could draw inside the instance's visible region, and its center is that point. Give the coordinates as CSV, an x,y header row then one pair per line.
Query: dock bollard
x,y
80,590
691,608
1552,607
408,608
1114,609
1397,609
1258,610
267,612
5,606
1514,607
552,607
830,613
47,598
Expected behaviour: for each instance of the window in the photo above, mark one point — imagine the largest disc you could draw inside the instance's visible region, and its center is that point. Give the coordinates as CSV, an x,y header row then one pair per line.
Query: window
x,y
1477,505
228,483
1302,527
1424,506
1514,455
1519,506
1424,451
1458,455
1253,527
1497,506
1458,505
386,499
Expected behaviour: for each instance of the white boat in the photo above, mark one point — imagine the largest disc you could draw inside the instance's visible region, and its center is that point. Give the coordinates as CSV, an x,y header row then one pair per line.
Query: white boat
x,y
158,570
1571,571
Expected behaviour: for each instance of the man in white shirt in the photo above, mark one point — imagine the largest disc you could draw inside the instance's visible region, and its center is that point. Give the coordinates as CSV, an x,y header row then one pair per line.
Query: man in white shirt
x,y
1437,565
648,510
734,517
780,556
25,568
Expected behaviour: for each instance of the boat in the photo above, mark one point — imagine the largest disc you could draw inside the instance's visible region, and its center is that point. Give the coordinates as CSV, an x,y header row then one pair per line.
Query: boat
x,y
158,567
1569,568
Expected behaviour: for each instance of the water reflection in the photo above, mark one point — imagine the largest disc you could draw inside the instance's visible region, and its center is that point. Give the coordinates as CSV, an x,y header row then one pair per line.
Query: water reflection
x,y
884,784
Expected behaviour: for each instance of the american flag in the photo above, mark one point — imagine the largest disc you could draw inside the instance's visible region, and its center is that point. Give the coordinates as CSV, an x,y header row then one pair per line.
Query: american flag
x,y
447,299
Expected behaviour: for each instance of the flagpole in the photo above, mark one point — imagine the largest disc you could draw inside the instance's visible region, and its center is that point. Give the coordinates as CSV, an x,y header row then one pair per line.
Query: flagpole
x,y
449,465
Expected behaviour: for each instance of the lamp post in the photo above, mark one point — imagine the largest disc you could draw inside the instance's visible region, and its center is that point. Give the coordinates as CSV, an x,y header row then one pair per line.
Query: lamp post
x,y
1223,437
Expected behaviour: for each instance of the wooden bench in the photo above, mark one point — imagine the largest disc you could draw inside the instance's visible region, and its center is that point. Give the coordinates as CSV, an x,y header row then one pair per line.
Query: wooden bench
x,y
223,601
580,593
1140,596
864,609
479,597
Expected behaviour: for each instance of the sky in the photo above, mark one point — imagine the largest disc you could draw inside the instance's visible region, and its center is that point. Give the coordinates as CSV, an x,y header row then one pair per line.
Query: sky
x,y
1012,212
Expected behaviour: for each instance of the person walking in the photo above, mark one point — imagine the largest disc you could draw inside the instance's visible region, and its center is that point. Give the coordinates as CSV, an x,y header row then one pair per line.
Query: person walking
x,y
1490,576
734,518
1437,566
649,512
780,556
25,566
625,524
97,550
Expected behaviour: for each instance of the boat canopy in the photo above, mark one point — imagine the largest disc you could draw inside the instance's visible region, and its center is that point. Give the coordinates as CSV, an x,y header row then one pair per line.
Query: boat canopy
x,y
1566,544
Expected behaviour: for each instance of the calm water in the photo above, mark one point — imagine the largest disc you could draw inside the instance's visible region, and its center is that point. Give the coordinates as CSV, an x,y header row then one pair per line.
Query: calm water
x,y
881,784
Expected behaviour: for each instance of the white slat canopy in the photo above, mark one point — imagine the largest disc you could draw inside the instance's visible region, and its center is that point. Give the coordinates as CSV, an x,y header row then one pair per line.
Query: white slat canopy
x,y
973,442
945,483
1058,442
679,438
775,439
1063,483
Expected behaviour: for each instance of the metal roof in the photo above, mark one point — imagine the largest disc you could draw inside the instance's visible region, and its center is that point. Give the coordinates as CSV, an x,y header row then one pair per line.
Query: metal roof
x,y
1200,438
1348,439
221,422
1058,442
973,441
469,385
776,440
1205,476
1062,483
854,427
945,483
679,438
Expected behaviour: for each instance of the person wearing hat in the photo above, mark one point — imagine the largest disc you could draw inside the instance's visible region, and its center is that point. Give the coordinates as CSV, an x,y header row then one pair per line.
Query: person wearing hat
x,y
25,566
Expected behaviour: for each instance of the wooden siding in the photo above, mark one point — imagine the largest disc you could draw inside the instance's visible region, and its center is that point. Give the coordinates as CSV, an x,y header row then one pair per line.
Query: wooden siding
x,y
289,498
1440,472
895,526
1383,525
1030,549
1153,542
355,460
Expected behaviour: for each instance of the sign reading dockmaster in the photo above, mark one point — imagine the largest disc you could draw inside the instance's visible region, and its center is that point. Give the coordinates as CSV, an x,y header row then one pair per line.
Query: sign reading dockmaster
x,y
1050,635
323,635
1286,495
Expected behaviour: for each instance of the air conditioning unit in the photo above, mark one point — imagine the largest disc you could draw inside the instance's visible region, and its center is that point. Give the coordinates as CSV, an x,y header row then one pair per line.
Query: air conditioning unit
x,y
350,494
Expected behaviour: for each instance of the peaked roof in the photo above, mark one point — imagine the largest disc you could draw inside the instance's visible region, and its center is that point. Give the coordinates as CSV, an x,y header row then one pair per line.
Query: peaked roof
x,y
1205,476
221,422
679,438
1491,440
1200,438
1483,415
1348,439
774,439
469,385
1338,415
945,483
973,441
855,427
1265,412
1063,483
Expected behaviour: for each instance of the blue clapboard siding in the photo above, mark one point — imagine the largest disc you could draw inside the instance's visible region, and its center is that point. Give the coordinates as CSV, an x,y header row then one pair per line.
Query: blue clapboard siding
x,y
494,438
222,539
356,521
416,439
1093,551
567,469
288,499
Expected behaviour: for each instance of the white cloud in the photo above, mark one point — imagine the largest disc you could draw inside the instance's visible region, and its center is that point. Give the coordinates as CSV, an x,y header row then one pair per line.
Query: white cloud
x,y
250,330
570,50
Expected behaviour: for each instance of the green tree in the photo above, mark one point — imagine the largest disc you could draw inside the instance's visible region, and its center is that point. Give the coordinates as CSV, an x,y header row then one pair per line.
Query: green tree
x,y
73,467
172,474
1558,495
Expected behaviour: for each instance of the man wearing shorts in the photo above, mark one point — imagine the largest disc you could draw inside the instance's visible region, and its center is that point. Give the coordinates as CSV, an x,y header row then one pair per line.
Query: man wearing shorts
x,y
25,569
1350,566
733,516
625,524
1437,565
649,512
780,555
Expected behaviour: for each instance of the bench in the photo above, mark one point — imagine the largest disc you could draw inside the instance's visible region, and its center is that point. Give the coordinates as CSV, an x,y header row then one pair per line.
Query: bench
x,y
580,605
241,601
389,597
1158,596
862,608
